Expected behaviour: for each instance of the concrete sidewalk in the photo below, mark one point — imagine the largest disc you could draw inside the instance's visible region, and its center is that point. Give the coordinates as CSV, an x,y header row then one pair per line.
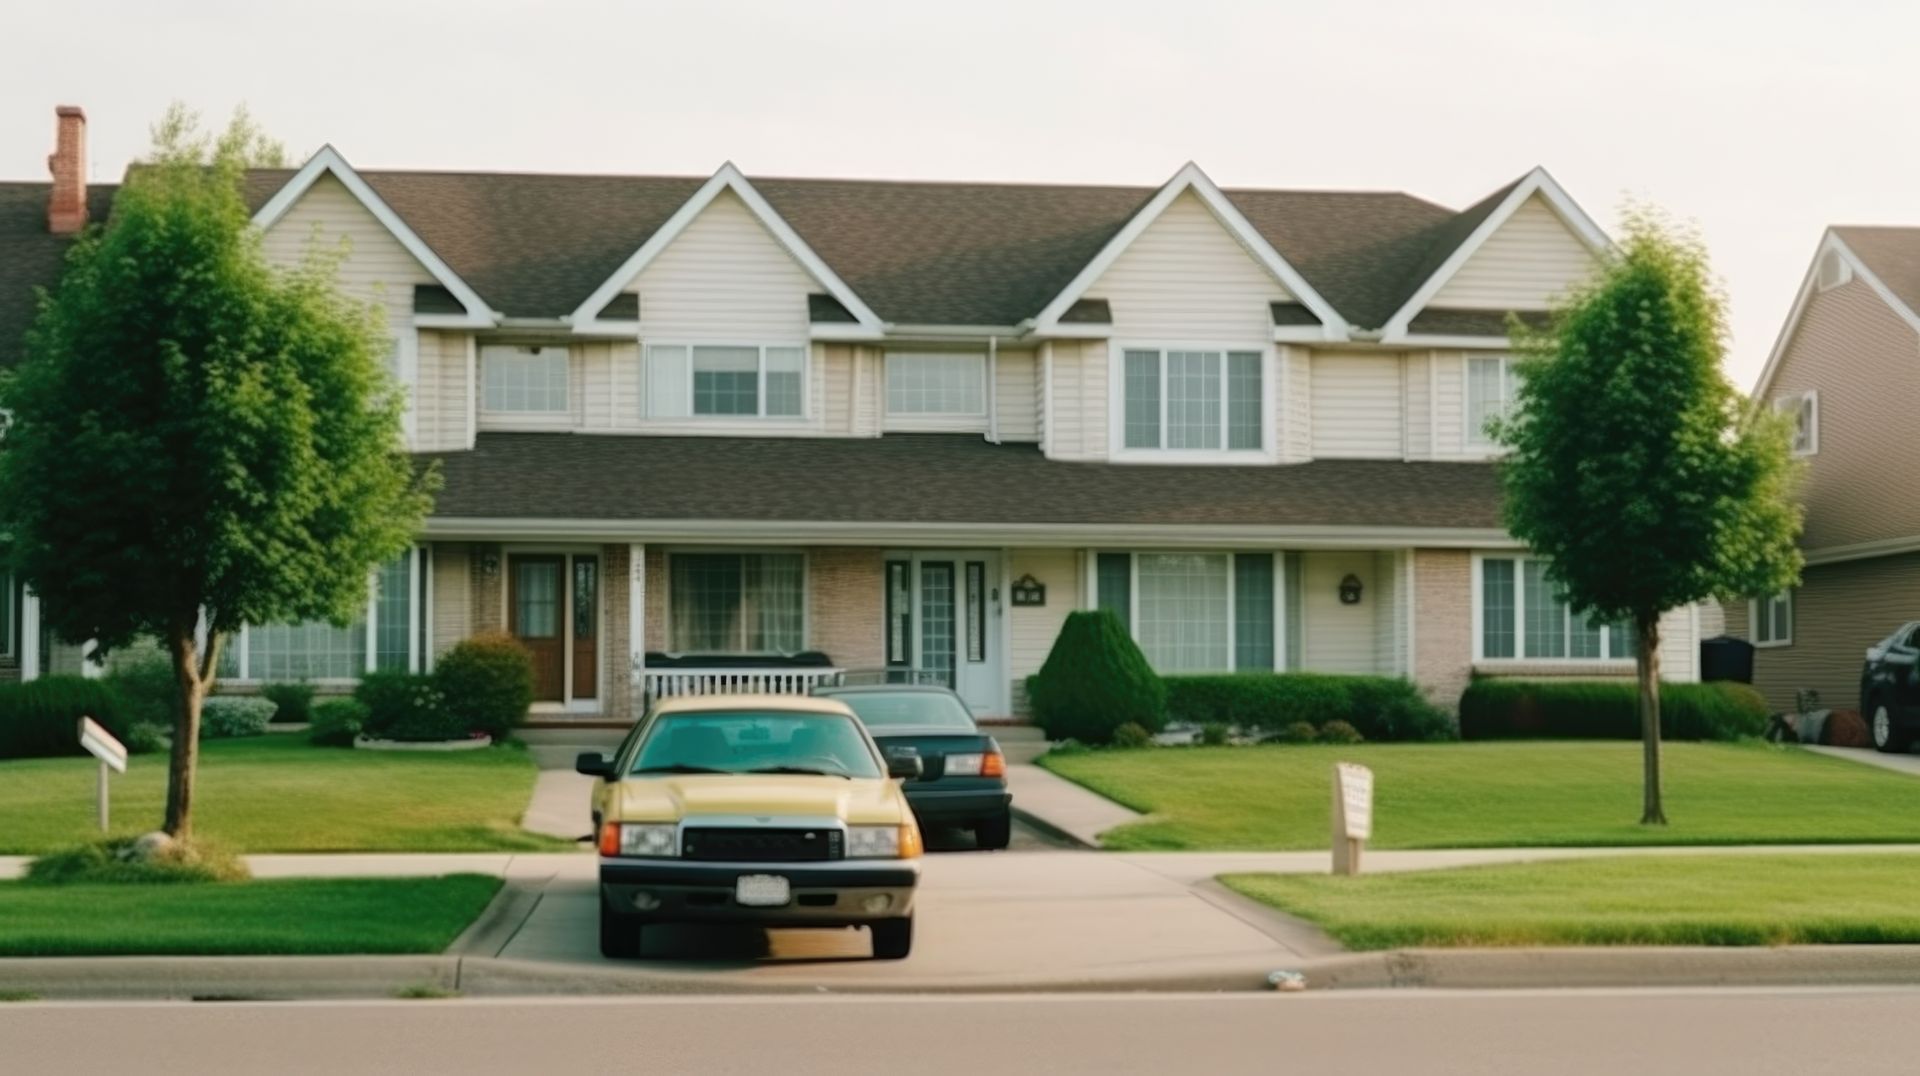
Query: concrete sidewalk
x,y
1058,805
1908,764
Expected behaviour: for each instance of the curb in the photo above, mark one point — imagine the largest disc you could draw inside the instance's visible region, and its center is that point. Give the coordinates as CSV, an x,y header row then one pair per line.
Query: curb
x,y
1053,832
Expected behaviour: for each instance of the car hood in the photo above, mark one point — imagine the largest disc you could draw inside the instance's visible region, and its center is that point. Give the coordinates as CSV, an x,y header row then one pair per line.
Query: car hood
x,y
672,798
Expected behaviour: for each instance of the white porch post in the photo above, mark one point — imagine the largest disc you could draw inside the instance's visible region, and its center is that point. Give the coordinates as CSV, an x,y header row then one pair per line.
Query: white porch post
x,y
29,635
91,666
636,621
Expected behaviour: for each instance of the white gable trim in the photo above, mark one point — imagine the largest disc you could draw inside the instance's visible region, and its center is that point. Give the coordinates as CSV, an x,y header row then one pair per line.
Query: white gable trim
x,y
1535,182
1830,243
1191,178
728,178
329,161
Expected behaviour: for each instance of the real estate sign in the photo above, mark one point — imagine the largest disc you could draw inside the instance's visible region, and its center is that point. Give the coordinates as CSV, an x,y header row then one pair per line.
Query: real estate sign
x,y
1352,814
112,754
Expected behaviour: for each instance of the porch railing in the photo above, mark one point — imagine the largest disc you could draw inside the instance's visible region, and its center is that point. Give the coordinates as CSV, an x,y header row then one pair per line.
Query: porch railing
x,y
663,683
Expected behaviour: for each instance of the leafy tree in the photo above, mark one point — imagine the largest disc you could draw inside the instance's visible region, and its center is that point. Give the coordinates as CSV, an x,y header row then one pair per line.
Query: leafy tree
x,y
200,440
1636,466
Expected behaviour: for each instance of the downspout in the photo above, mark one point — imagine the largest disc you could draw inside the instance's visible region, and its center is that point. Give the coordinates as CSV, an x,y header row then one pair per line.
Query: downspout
x,y
993,389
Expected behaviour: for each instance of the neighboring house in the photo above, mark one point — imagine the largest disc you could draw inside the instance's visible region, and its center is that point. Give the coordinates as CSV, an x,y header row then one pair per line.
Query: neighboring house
x,y
691,424
1847,367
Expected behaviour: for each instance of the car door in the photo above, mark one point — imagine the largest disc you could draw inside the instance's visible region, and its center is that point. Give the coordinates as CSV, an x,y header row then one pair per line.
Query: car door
x,y
1902,664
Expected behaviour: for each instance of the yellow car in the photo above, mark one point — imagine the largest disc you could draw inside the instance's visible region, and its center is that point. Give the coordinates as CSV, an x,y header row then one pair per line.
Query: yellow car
x,y
770,809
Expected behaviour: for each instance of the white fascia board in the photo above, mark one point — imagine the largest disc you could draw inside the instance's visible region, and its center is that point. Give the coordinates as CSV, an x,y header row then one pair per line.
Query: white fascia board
x,y
727,178
1535,182
1191,178
1301,334
789,532
1078,331
451,321
1830,243
329,160
840,331
1884,547
1468,343
616,330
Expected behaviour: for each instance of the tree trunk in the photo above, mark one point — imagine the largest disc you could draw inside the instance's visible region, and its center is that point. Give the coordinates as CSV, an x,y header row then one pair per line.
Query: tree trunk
x,y
192,685
1652,811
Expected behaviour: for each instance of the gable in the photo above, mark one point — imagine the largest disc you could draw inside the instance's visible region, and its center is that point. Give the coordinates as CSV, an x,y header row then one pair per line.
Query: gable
x,y
1529,260
1186,278
374,266
724,279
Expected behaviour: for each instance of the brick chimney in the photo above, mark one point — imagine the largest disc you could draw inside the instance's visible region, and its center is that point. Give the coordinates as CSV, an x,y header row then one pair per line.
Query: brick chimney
x,y
67,207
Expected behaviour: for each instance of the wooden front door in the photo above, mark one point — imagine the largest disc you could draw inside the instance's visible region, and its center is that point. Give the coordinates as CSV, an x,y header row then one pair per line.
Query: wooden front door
x,y
536,615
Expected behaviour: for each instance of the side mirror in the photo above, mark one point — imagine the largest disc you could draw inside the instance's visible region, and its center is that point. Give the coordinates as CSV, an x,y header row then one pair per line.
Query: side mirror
x,y
904,763
593,764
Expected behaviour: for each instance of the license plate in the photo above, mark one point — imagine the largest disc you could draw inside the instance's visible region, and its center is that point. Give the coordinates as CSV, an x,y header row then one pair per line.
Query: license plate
x,y
762,890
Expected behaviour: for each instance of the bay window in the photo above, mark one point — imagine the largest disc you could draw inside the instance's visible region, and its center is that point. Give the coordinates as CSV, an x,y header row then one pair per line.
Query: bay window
x,y
524,380
1489,393
1210,401
390,635
1193,612
737,603
1522,615
724,381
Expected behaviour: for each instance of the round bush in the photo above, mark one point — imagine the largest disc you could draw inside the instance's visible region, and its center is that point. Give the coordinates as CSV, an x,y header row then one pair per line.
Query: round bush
x,y
408,707
487,682
1131,735
336,722
1339,732
1094,681
227,716
294,700
1298,732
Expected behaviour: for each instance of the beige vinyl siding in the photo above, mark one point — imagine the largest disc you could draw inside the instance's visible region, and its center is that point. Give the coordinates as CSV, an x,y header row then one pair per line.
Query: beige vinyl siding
x,y
1296,399
1531,259
869,383
374,266
593,392
452,595
1031,629
1419,410
623,381
1864,361
1336,638
1079,400
1186,279
836,376
724,280
1838,611
1016,395
1356,406
1449,387
444,397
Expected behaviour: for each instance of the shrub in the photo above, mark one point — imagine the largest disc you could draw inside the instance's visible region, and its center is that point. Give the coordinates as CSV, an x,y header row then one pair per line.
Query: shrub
x,y
407,706
336,722
225,717
147,738
1339,732
293,700
1601,710
148,690
1132,735
1094,681
487,682
1213,734
1298,732
1380,707
41,718
120,860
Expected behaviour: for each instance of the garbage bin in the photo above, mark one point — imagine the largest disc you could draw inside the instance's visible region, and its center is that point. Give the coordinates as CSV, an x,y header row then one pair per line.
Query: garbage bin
x,y
1724,657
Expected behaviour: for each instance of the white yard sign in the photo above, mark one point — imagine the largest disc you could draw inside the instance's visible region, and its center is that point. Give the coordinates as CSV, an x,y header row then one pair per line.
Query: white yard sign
x,y
112,754
1352,815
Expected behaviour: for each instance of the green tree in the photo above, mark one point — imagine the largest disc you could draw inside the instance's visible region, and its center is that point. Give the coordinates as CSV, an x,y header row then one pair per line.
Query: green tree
x,y
199,439
1636,466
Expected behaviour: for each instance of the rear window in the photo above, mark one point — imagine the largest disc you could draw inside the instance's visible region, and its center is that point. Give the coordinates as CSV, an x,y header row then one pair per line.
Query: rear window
x,y
902,709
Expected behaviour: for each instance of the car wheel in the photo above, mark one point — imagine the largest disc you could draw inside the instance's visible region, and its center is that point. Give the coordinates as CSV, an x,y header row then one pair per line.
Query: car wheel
x,y
1887,736
619,934
892,938
995,833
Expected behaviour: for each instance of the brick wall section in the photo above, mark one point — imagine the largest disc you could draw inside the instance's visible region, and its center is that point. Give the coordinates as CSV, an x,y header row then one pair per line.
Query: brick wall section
x,y
488,601
846,606
656,639
616,583
1443,624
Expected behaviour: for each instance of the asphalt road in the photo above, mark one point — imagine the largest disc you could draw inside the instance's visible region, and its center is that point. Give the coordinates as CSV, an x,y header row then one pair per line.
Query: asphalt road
x,y
1568,1033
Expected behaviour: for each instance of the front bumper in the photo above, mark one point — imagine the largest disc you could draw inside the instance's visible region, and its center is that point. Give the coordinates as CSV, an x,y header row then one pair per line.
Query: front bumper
x,y
823,894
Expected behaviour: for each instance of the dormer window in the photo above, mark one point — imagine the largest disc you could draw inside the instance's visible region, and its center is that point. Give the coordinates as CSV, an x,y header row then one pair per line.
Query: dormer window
x,y
524,380
724,381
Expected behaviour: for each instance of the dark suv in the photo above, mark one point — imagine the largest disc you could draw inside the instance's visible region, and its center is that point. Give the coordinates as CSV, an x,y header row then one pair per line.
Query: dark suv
x,y
1890,689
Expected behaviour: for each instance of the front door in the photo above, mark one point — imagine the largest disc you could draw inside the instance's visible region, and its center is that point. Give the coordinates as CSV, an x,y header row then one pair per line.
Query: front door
x,y
553,608
943,618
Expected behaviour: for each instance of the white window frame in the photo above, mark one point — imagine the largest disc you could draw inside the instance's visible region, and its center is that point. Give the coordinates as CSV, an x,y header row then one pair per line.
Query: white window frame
x,y
938,421
1117,404
542,418
417,646
1092,601
760,418
1757,608
1519,559
1802,405
806,589
1476,440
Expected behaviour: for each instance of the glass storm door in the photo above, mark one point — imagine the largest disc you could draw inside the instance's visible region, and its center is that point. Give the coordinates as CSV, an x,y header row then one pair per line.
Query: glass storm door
x,y
942,613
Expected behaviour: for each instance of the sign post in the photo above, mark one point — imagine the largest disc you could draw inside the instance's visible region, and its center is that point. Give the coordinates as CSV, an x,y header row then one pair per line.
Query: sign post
x,y
112,755
1352,815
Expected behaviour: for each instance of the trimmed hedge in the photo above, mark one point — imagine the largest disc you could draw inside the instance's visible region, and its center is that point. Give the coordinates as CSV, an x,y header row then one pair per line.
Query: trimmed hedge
x,y
1094,681
1601,710
41,718
292,699
336,722
1380,708
407,706
225,717
487,682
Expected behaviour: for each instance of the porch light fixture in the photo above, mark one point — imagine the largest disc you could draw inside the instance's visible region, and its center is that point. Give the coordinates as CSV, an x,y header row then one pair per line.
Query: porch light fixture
x,y
1350,590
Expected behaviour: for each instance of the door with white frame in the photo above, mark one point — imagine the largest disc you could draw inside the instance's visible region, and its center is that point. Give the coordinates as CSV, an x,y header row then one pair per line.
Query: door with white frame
x,y
943,614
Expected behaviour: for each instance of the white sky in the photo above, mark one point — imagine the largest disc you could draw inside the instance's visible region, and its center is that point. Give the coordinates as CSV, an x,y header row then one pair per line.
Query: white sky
x,y
1761,120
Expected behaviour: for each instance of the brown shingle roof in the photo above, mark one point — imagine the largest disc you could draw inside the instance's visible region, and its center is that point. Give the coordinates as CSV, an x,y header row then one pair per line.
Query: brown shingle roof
x,y
30,256
935,478
1450,321
1892,253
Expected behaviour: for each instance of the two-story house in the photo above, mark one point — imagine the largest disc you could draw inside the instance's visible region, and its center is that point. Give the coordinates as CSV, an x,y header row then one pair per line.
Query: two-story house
x,y
1844,366
690,426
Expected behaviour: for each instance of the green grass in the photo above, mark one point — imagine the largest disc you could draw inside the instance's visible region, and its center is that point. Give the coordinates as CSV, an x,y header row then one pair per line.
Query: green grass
x,y
1772,899
279,794
1474,795
281,916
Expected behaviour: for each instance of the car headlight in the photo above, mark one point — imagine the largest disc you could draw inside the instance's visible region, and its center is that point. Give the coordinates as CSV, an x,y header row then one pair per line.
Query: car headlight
x,y
873,842
640,839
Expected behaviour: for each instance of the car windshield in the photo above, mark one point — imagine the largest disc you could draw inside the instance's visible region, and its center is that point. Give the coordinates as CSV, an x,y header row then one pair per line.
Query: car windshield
x,y
903,709
738,743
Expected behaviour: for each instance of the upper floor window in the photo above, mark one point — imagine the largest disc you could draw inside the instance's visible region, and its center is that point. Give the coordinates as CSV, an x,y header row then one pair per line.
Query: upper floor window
x,y
1805,409
725,381
1489,392
1192,400
1522,615
524,379
1772,619
953,386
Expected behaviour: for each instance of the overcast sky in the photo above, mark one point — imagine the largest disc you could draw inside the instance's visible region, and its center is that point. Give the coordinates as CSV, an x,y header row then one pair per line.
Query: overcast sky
x,y
1761,120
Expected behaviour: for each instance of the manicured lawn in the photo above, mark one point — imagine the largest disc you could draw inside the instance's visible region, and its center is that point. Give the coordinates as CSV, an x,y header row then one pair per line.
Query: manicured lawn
x,y
279,916
1475,795
1774,899
277,793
